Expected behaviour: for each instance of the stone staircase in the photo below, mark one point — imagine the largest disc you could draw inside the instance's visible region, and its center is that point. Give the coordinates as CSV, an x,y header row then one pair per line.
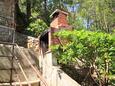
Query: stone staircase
x,y
27,76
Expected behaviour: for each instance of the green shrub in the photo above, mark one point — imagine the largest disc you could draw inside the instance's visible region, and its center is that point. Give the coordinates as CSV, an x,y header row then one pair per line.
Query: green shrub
x,y
36,27
94,49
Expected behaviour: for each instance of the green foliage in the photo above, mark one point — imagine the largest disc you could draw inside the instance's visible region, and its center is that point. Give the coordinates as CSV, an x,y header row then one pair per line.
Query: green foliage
x,y
100,11
38,19
82,41
36,27
95,49
22,5
97,14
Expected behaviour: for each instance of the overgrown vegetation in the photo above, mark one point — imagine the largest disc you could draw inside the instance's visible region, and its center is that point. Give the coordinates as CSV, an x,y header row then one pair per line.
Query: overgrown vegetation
x,y
94,49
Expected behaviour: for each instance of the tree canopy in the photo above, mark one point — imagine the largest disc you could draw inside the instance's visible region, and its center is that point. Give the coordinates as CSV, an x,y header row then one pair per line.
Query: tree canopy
x,y
91,14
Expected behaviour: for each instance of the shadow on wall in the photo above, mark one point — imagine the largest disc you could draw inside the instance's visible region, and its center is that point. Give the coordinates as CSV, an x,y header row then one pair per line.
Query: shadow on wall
x,y
80,75
6,35
27,41
34,57
5,63
21,39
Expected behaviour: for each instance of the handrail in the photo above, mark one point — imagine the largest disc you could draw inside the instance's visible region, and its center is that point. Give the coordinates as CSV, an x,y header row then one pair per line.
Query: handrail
x,y
22,70
22,83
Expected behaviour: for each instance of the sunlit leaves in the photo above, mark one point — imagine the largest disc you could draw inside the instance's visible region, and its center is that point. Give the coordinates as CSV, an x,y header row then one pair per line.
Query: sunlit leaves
x,y
94,42
93,48
36,27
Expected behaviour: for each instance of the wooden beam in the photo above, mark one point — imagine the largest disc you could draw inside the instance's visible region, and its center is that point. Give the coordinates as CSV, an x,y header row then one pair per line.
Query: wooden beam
x,y
23,72
7,43
7,69
35,70
18,83
4,56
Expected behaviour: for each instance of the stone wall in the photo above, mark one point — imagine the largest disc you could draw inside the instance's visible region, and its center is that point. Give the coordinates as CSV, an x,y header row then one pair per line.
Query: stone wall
x,y
27,41
5,63
6,35
1,7
33,43
6,12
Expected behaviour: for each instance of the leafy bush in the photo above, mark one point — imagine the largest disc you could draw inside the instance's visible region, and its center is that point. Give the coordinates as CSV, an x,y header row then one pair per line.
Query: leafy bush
x,y
36,27
94,49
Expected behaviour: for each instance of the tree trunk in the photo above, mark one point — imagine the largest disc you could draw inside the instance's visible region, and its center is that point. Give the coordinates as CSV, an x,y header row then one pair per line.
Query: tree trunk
x,y
106,70
20,18
46,16
28,10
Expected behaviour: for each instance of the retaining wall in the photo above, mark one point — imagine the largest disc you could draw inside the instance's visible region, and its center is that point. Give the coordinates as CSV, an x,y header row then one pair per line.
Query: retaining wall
x,y
53,74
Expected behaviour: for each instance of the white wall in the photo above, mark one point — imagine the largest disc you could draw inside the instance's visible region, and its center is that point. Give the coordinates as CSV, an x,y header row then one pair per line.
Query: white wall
x,y
54,75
